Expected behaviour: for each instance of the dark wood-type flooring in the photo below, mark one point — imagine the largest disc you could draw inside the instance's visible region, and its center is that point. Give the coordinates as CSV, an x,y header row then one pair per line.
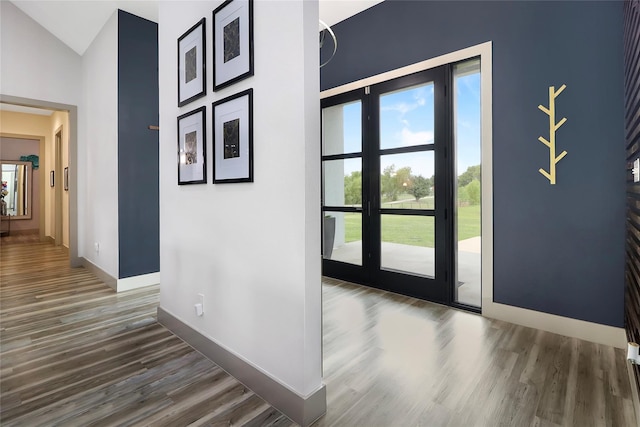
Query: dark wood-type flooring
x,y
74,353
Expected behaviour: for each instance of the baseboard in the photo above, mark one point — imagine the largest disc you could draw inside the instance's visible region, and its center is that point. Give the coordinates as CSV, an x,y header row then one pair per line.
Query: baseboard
x,y
121,285
108,279
48,239
304,410
135,282
588,331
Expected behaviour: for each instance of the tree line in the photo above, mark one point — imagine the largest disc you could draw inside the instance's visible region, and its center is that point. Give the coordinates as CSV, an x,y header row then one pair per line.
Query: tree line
x,y
394,183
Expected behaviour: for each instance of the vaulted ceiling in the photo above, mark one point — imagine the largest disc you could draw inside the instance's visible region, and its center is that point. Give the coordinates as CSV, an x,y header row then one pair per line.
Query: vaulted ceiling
x,y
76,23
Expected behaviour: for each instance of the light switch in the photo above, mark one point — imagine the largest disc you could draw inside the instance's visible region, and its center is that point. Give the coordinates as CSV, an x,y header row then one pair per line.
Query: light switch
x,y
636,170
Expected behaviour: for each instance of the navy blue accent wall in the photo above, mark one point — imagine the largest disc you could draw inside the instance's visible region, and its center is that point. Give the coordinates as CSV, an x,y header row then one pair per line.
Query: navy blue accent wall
x,y
138,163
558,249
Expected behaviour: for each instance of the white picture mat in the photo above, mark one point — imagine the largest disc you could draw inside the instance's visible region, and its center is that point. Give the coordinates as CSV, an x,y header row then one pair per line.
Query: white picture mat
x,y
237,167
240,64
194,87
195,171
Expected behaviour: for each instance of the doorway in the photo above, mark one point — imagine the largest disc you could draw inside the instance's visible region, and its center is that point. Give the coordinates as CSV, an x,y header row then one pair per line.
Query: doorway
x,y
72,135
401,185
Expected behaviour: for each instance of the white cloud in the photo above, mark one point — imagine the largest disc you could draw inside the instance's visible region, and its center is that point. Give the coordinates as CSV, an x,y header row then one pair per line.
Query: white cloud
x,y
401,107
415,138
419,100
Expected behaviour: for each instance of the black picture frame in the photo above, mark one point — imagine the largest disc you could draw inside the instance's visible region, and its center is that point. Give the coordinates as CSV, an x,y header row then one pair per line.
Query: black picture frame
x,y
192,147
192,60
233,138
66,179
52,179
232,43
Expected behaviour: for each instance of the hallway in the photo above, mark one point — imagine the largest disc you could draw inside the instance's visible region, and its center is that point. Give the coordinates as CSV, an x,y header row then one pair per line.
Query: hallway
x,y
74,353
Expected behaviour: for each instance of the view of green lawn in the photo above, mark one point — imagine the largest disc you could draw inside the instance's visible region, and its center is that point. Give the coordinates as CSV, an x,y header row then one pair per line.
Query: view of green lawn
x,y
414,230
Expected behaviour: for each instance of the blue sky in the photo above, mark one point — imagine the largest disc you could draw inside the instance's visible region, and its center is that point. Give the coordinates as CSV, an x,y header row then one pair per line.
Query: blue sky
x,y
406,119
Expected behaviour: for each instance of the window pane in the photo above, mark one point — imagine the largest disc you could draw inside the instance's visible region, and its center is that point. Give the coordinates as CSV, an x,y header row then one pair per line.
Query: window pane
x,y
342,237
342,129
406,117
466,79
408,244
407,180
342,182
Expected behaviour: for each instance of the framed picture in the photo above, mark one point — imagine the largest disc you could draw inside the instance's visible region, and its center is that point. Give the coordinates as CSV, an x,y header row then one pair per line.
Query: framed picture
x,y
192,143
192,77
66,179
52,180
232,42
233,138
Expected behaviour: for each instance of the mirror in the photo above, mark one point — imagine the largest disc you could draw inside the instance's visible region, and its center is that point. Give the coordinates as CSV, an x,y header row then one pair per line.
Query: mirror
x,y
16,188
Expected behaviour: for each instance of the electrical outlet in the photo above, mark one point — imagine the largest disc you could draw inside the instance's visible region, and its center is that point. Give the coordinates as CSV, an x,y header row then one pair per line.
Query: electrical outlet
x,y
96,246
201,301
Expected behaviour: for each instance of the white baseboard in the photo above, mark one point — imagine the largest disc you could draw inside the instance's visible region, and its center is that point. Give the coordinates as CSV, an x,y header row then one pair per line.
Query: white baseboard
x,y
135,282
304,410
588,331
121,285
108,279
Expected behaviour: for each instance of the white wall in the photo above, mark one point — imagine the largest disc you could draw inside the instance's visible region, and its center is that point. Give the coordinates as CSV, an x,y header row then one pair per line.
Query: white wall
x,y
34,64
253,249
98,150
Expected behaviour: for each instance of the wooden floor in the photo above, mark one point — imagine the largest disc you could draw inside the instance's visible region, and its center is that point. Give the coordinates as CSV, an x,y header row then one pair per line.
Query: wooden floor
x,y
391,360
73,353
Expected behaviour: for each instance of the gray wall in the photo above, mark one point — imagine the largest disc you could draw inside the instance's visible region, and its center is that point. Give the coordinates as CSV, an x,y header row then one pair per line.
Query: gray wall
x,y
558,249
138,161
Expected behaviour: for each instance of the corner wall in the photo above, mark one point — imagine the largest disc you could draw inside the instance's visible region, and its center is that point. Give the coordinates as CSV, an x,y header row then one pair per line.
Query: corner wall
x,y
252,249
98,152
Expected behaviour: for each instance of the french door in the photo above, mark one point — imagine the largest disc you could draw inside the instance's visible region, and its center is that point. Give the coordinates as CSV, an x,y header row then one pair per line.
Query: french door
x,y
387,186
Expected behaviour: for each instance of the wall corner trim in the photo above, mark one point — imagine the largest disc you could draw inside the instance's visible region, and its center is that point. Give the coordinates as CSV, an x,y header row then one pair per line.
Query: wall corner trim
x,y
108,279
588,331
304,410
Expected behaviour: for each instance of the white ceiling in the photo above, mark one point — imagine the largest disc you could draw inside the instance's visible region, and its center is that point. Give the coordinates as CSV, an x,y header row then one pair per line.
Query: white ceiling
x,y
76,23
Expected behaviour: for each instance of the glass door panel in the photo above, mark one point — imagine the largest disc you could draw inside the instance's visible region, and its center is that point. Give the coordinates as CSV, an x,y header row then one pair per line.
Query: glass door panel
x,y
467,177
342,186
342,237
341,128
342,182
407,116
408,244
407,180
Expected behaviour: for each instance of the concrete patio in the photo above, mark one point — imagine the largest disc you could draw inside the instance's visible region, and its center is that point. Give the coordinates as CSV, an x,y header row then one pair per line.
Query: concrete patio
x,y
419,260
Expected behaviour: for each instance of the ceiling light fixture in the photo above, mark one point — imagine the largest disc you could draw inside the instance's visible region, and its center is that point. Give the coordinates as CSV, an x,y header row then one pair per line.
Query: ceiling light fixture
x,y
323,32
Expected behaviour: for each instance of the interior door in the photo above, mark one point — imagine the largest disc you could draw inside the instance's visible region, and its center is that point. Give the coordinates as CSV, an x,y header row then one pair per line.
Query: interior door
x,y
386,192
